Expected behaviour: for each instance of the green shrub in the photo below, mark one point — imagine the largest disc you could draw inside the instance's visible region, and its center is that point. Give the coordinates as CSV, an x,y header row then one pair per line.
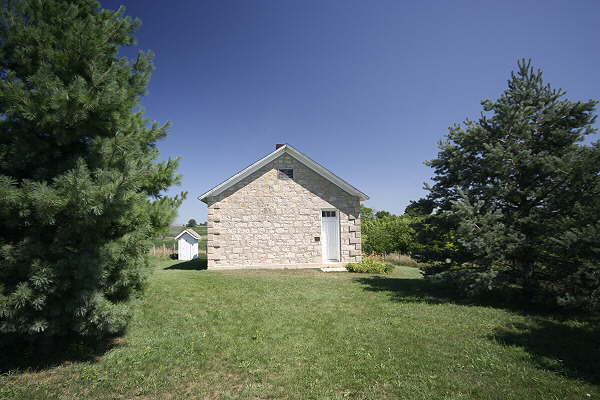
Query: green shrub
x,y
371,265
386,234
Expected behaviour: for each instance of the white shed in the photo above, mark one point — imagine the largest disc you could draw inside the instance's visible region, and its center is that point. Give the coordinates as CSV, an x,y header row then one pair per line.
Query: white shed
x,y
187,245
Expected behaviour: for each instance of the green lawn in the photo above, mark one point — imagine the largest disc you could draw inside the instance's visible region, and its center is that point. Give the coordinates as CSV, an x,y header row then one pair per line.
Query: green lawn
x,y
313,335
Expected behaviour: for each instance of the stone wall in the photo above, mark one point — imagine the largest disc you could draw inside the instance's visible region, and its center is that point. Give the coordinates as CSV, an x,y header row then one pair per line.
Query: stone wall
x,y
269,219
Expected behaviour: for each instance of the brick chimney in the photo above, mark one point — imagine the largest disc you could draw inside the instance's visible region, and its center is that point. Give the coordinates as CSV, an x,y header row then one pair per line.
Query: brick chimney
x,y
278,145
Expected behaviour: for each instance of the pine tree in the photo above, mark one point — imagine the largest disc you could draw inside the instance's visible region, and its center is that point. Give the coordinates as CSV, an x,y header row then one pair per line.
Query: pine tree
x,y
434,234
520,181
80,188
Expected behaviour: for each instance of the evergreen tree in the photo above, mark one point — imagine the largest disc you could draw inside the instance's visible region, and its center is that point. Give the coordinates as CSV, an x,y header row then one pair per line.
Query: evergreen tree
x,y
80,191
191,223
435,233
419,207
524,188
435,239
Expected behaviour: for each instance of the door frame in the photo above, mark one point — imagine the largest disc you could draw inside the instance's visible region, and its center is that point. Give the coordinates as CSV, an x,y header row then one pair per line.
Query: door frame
x,y
339,244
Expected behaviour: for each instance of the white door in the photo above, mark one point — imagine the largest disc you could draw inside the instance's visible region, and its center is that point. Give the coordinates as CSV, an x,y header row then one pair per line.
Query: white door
x,y
181,248
190,247
330,235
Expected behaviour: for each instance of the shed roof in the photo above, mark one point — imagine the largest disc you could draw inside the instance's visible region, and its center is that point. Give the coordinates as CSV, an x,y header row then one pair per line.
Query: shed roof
x,y
190,231
285,149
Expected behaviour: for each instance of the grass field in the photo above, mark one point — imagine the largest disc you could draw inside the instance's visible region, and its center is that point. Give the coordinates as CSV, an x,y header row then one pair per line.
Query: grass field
x,y
175,230
311,335
166,246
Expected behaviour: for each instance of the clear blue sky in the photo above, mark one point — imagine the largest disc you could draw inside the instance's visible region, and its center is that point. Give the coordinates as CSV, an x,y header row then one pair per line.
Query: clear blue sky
x,y
366,88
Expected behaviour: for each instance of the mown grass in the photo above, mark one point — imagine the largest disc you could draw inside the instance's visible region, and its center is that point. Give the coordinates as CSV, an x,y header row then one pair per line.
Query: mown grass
x,y
313,335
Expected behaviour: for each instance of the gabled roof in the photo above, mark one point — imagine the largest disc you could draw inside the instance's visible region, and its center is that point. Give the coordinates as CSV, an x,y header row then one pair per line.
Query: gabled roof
x,y
285,149
190,231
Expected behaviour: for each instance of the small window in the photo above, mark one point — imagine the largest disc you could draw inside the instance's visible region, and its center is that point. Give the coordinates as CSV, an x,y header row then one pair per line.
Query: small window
x,y
328,213
286,172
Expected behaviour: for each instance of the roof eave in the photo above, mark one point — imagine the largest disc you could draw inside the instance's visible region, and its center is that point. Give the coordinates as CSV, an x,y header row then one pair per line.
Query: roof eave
x,y
189,232
316,167
240,175
324,172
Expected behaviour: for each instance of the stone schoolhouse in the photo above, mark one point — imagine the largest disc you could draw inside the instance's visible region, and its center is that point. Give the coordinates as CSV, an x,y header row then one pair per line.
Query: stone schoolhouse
x,y
285,210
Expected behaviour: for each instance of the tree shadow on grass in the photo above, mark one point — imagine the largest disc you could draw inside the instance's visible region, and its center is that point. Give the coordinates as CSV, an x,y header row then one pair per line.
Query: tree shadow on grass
x,y
410,290
568,344
18,355
570,348
406,290
195,264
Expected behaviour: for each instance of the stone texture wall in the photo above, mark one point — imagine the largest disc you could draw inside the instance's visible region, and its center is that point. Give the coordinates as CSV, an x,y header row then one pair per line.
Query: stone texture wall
x,y
269,219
